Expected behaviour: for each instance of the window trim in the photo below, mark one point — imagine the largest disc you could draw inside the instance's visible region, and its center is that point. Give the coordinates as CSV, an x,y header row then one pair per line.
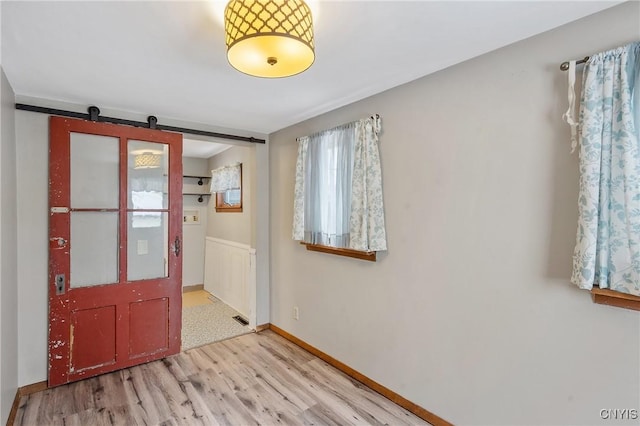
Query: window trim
x,y
603,296
356,254
221,207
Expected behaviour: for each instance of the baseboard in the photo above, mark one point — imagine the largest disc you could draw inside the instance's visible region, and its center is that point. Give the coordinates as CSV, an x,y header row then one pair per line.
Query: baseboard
x,y
189,288
33,388
387,393
262,327
23,391
14,409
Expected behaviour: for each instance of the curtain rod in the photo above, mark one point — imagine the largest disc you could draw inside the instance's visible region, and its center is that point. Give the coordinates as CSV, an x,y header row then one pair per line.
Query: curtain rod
x,y
151,123
565,65
372,116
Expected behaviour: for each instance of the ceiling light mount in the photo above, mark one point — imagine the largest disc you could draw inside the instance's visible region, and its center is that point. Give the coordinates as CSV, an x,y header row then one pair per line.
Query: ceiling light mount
x,y
269,38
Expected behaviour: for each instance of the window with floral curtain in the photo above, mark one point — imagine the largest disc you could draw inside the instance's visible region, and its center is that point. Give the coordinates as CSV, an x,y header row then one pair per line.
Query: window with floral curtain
x,y
338,190
607,252
226,183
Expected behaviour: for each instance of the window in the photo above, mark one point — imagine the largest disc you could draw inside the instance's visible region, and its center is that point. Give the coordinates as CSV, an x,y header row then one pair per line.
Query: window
x,y
229,200
231,197
226,182
338,204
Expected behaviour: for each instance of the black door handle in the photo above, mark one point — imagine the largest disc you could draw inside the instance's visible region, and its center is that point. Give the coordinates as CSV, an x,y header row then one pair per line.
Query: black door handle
x,y
176,246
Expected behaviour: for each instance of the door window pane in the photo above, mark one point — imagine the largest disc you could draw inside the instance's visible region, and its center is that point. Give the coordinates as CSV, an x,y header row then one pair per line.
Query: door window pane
x,y
94,248
148,185
148,245
94,171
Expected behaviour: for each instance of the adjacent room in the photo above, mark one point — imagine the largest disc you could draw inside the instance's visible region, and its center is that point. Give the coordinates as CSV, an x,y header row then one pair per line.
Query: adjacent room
x,y
322,212
217,279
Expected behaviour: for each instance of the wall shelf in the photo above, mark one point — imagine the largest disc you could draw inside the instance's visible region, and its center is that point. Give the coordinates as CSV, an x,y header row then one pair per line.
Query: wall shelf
x,y
201,181
200,196
200,178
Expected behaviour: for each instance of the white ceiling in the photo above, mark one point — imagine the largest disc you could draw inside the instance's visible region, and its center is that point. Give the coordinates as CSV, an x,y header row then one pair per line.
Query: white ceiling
x,y
168,58
202,149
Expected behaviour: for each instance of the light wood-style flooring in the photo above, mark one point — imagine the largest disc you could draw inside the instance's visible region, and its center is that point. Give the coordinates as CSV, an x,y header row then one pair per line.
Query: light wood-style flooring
x,y
255,379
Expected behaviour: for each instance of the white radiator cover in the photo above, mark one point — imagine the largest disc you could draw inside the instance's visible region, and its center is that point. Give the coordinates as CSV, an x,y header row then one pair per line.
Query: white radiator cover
x,y
230,275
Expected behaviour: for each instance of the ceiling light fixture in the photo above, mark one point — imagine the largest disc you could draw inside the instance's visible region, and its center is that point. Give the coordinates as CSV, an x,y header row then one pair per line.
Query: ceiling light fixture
x,y
269,38
147,160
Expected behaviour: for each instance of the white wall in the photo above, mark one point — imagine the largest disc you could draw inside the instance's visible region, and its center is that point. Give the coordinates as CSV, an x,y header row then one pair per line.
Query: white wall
x,y
8,258
470,314
232,226
33,199
193,235
244,228
32,180
229,275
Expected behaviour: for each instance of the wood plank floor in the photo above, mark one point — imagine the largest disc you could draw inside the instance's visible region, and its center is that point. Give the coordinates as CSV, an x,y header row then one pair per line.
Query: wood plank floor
x,y
255,379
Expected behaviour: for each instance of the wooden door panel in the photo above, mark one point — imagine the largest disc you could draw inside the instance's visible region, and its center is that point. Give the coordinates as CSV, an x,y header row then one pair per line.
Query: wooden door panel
x,y
146,336
94,338
104,324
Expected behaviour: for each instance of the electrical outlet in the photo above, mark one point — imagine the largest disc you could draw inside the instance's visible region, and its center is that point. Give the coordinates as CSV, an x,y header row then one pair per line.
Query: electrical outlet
x,y
296,313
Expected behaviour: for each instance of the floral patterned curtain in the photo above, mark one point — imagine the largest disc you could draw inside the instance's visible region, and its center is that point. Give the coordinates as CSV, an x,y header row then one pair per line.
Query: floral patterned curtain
x,y
225,178
607,252
367,207
298,192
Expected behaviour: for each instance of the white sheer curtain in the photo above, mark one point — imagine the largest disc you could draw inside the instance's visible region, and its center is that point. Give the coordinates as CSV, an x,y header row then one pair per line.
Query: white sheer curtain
x,y
225,178
338,191
327,197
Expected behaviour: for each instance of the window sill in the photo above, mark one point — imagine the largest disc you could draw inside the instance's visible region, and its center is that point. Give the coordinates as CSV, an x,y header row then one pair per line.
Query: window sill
x,y
228,209
356,254
615,298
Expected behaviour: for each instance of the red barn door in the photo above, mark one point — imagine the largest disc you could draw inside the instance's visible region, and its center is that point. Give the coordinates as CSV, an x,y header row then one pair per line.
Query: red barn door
x,y
115,232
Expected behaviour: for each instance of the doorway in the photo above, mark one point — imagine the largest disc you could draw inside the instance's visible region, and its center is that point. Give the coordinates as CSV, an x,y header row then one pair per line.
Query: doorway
x,y
219,258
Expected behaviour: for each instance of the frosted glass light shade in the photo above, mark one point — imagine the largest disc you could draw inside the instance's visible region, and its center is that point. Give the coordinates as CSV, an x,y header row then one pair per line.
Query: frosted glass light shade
x,y
269,38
